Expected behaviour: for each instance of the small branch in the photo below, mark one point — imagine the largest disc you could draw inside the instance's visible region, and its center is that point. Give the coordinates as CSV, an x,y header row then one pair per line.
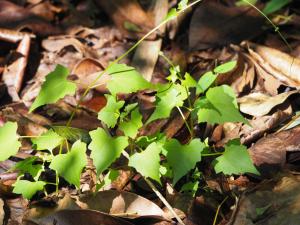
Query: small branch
x,y
162,198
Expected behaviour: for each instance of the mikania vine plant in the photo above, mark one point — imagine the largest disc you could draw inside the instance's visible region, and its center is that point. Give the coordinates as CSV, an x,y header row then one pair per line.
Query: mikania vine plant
x,y
154,157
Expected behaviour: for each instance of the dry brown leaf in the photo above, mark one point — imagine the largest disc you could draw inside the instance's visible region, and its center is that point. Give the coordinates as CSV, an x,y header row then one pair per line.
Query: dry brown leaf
x,y
14,73
71,217
282,66
87,70
259,104
13,35
123,11
271,150
213,25
121,203
274,202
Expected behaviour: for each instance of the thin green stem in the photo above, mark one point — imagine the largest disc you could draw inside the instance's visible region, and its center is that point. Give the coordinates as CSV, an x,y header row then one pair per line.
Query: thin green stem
x,y
185,122
123,56
276,28
212,154
218,210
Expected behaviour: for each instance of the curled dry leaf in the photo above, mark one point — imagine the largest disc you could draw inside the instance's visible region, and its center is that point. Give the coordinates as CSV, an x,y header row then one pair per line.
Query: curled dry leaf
x,y
87,70
71,217
282,66
57,43
259,104
14,73
13,35
214,24
121,203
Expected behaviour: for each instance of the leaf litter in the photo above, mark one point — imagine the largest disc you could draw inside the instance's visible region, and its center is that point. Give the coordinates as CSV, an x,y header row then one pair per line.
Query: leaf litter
x,y
36,36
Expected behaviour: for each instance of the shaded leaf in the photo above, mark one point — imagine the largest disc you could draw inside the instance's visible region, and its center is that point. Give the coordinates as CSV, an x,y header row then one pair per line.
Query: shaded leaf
x,y
54,88
111,176
111,112
105,149
9,144
27,166
147,162
274,5
235,160
205,81
70,165
183,158
72,133
28,188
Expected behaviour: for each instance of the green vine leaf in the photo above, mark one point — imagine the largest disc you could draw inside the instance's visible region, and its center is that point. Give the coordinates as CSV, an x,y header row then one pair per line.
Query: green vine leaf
x,y
9,143
27,166
147,162
188,81
235,160
274,5
72,134
205,81
28,188
225,67
47,141
131,127
219,106
183,158
110,177
111,112
167,100
71,164
54,88
125,79
105,149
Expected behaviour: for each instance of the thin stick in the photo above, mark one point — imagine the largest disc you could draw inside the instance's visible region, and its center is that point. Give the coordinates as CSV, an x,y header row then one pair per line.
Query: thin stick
x,y
162,198
185,122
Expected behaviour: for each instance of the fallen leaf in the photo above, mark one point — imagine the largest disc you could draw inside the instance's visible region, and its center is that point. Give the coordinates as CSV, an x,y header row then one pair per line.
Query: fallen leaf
x,y
71,217
14,73
259,104
120,203
214,24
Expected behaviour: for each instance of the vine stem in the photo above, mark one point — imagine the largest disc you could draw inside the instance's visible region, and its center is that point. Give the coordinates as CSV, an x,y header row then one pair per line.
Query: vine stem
x,y
158,194
218,210
93,84
185,122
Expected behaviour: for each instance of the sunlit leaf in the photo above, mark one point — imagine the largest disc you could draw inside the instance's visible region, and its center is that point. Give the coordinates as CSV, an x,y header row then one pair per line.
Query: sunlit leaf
x,y
225,67
54,88
105,149
28,188
147,161
167,100
183,158
9,144
71,164
219,106
111,112
125,79
235,160
131,127
47,141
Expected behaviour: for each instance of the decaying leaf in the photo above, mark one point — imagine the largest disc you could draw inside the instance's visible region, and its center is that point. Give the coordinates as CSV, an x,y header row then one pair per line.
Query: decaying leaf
x,y
259,104
121,203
